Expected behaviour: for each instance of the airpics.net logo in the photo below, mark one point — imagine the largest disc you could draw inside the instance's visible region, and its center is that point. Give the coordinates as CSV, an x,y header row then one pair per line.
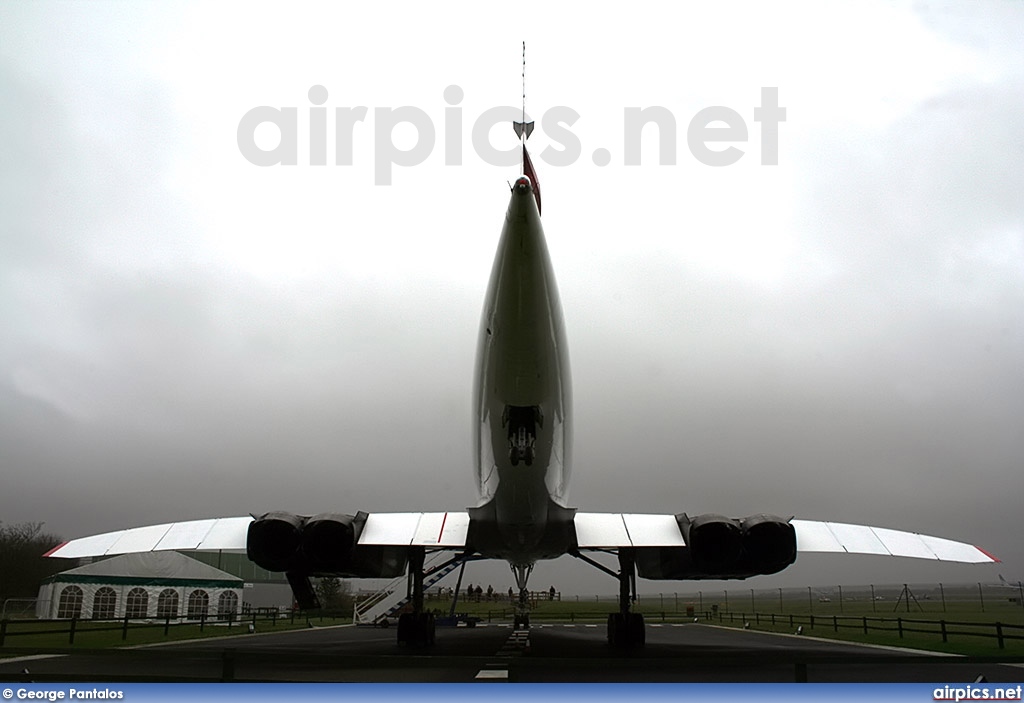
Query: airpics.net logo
x,y
711,134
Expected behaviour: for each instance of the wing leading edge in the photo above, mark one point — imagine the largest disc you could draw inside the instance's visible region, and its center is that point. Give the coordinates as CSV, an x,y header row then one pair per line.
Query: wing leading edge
x,y
593,531
229,535
617,530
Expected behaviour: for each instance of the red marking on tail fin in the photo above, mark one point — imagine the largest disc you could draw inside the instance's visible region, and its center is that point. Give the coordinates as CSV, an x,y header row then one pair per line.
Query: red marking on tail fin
x,y
529,171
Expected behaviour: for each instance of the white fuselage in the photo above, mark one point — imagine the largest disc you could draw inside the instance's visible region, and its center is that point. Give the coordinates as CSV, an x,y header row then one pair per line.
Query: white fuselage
x,y
522,399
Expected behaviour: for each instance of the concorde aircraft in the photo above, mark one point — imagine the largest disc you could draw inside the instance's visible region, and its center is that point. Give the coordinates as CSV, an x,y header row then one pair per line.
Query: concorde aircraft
x,y
522,434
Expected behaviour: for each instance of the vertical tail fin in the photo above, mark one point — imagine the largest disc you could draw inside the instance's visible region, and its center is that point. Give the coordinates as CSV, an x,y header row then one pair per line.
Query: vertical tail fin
x,y
529,171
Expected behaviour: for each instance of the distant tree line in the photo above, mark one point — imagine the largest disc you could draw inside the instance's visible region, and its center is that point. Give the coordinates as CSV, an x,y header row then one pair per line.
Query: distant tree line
x,y
22,564
334,594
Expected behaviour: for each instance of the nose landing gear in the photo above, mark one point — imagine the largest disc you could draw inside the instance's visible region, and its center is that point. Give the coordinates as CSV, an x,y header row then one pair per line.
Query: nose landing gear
x,y
521,619
522,423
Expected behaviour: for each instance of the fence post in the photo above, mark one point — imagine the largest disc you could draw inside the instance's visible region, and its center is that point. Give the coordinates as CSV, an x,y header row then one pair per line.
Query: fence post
x,y
942,625
899,626
71,637
865,619
981,597
835,624
202,621
124,629
999,634
812,622
791,620
167,625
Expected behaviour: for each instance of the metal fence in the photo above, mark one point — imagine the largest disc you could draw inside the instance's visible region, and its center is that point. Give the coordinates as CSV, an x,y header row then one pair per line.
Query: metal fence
x,y
10,630
839,599
900,625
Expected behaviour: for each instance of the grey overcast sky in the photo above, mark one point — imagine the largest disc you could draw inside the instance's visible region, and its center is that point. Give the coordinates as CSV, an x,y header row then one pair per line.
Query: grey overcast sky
x,y
839,336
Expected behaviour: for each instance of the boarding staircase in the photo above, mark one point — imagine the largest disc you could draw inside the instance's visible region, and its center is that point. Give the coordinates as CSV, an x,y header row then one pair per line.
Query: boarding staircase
x,y
390,599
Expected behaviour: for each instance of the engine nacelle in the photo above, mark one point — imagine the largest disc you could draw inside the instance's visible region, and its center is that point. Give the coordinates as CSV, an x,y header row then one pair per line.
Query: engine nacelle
x,y
769,543
328,542
322,545
273,541
718,547
715,542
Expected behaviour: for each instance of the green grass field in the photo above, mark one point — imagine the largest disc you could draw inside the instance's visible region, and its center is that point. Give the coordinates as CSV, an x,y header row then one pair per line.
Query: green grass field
x,y
732,609
975,639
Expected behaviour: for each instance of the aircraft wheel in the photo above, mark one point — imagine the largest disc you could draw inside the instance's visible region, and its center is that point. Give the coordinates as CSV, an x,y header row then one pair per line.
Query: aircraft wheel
x,y
614,629
637,630
404,628
626,630
429,629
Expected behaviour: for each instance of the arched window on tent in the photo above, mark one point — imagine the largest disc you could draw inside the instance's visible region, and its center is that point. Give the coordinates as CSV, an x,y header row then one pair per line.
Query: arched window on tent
x,y
104,604
198,604
70,603
167,603
136,603
227,604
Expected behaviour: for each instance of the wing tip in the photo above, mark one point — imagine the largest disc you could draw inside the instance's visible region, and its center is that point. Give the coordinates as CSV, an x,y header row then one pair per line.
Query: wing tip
x,y
56,549
991,556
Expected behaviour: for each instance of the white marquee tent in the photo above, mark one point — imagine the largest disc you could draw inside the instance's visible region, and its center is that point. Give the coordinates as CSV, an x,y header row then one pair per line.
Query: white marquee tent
x,y
146,585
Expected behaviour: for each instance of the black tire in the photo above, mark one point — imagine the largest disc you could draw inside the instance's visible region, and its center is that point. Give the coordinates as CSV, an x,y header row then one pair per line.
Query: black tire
x,y
430,629
404,628
637,630
614,628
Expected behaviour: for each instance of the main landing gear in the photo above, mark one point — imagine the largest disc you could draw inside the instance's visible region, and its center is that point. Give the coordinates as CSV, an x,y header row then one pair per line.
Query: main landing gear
x,y
416,629
626,629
